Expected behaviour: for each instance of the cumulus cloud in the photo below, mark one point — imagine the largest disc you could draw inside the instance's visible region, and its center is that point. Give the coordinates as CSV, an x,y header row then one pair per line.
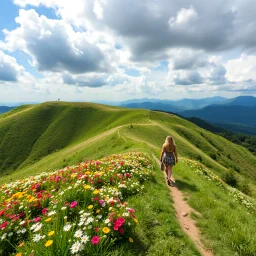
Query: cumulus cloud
x,y
93,39
182,58
186,77
184,17
54,45
88,80
242,69
9,69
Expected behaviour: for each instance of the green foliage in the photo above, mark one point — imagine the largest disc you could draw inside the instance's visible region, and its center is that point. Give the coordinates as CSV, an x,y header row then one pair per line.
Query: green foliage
x,y
230,179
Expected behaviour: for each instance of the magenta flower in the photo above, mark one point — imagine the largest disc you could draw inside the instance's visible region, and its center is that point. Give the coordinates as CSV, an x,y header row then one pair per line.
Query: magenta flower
x,y
44,211
95,240
37,219
73,204
3,226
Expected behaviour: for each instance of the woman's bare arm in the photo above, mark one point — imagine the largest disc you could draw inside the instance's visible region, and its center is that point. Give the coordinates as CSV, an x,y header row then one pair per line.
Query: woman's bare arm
x,y
176,155
161,157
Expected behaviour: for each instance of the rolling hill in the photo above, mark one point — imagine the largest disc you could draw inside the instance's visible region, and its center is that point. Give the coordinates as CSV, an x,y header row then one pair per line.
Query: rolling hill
x,y
53,135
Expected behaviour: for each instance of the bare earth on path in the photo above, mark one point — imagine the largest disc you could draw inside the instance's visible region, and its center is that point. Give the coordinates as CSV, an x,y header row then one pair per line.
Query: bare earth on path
x,y
188,225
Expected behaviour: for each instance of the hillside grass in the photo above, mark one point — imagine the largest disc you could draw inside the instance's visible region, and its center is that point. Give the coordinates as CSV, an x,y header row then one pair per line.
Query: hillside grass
x,y
144,131
225,222
50,135
158,231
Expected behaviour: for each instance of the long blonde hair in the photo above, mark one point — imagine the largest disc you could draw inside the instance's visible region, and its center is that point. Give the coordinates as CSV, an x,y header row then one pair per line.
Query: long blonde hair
x,y
169,144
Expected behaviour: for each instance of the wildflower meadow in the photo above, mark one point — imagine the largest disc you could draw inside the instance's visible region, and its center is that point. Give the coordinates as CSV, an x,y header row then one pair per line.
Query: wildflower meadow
x,y
78,210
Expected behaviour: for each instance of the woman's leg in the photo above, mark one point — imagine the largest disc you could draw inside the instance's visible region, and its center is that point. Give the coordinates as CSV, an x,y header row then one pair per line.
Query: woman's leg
x,y
169,172
166,169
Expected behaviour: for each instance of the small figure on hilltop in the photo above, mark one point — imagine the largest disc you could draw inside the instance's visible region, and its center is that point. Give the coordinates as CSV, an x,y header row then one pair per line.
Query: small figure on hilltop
x,y
169,157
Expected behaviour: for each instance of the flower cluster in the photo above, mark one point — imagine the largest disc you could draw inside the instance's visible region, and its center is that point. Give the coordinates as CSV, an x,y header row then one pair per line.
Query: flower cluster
x,y
202,170
74,210
209,175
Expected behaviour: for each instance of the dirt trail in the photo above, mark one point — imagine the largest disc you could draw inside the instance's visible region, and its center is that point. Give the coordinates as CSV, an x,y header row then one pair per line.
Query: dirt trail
x,y
15,114
188,225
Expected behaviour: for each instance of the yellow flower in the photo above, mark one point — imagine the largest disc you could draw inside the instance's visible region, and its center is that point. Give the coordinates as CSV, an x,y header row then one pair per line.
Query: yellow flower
x,y
106,230
51,233
86,186
48,243
98,211
48,220
135,220
95,192
90,207
130,240
19,254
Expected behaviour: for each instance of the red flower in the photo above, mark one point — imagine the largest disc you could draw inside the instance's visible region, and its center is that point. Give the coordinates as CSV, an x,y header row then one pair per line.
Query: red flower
x,y
3,226
44,211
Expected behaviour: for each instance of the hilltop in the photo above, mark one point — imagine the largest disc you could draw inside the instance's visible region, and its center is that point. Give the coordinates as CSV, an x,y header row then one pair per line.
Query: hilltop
x,y
53,135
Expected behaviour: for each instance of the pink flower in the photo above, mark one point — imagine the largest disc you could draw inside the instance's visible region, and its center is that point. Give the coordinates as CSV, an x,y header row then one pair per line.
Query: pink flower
x,y
73,204
44,211
101,201
3,226
37,219
95,240
121,230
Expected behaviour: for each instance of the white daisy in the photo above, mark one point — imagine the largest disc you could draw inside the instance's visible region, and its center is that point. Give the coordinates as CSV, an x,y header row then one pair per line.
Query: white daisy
x,y
51,213
84,239
67,227
37,238
38,227
76,247
3,236
78,233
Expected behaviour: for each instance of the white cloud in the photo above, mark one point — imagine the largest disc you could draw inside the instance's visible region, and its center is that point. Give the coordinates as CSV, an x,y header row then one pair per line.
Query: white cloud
x,y
10,71
184,17
54,45
241,69
98,10
95,41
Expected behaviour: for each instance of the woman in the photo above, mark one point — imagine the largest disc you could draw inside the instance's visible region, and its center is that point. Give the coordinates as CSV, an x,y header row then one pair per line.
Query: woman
x,y
169,157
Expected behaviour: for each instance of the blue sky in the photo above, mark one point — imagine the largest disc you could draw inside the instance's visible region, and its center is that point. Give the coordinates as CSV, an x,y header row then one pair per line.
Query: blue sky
x,y
115,50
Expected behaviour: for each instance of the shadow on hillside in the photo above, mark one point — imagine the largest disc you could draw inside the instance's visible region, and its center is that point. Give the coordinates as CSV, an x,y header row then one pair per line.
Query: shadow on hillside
x,y
138,248
184,186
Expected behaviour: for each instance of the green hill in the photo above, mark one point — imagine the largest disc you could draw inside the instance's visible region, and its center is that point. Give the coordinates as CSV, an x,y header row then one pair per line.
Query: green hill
x,y
52,135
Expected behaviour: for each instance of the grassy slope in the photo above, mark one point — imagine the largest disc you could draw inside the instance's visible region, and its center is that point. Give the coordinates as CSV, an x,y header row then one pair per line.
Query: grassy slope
x,y
114,134
228,226
46,128
52,135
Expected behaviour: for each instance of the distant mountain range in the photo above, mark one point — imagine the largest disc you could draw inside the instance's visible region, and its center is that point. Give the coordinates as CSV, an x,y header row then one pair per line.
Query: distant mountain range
x,y
4,109
171,105
236,114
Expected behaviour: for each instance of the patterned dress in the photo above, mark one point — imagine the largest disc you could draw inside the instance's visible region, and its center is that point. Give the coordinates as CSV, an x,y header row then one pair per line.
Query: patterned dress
x,y
169,158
